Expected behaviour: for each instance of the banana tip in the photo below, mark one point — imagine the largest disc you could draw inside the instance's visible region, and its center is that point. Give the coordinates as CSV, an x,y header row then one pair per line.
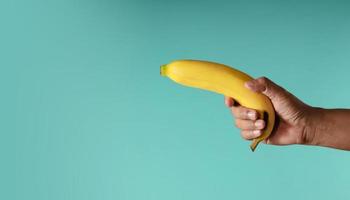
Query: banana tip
x,y
254,144
253,149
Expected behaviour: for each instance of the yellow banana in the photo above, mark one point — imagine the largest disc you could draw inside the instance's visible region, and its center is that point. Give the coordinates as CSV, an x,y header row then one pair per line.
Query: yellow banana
x,y
224,80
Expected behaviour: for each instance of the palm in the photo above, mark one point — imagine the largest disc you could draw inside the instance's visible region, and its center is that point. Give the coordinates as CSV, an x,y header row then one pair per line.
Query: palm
x,y
289,127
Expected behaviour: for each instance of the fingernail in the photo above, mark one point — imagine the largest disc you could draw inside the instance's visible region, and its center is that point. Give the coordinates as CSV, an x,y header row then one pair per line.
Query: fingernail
x,y
259,124
257,133
251,114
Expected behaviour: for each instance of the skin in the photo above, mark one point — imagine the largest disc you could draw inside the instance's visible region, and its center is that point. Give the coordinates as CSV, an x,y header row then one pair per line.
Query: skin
x,y
297,122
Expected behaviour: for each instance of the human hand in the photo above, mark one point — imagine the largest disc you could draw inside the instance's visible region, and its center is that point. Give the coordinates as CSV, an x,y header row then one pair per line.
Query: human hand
x,y
292,115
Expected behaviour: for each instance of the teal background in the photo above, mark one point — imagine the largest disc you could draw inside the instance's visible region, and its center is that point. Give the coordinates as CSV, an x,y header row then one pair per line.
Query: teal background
x,y
85,114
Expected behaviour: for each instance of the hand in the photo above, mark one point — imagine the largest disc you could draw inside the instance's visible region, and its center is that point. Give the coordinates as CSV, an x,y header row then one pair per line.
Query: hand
x,y
292,115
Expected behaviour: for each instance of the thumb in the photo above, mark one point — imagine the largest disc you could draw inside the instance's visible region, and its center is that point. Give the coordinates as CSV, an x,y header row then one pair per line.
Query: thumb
x,y
265,86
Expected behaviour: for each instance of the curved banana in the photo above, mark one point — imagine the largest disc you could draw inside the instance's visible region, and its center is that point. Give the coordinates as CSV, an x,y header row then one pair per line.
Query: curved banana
x,y
224,80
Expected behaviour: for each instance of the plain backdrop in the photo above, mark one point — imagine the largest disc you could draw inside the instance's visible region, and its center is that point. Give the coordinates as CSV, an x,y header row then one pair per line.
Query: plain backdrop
x,y
85,114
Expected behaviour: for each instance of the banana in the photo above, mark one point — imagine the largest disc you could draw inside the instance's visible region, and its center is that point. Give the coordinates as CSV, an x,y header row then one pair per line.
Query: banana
x,y
224,80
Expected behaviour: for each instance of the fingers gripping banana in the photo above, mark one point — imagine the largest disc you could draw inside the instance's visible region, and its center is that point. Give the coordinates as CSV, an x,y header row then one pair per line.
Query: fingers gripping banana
x,y
224,80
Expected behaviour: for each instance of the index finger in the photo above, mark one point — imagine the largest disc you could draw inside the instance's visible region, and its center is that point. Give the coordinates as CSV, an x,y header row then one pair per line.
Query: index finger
x,y
229,101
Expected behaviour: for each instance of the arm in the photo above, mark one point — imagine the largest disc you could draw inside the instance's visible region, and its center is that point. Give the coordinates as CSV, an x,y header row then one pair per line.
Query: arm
x,y
298,123
330,128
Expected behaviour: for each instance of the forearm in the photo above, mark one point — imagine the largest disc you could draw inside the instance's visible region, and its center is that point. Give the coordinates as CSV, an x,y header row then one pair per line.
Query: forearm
x,y
330,128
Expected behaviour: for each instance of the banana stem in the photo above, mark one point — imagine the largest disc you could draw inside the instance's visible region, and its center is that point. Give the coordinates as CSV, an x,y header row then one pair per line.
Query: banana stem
x,y
163,70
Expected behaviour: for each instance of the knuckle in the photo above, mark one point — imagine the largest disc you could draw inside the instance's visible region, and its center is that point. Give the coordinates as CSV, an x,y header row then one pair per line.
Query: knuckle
x,y
237,112
244,112
248,112
249,124
264,79
242,109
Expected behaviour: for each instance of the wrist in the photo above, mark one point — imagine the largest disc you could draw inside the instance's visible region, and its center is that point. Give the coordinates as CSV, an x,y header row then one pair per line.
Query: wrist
x,y
314,126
